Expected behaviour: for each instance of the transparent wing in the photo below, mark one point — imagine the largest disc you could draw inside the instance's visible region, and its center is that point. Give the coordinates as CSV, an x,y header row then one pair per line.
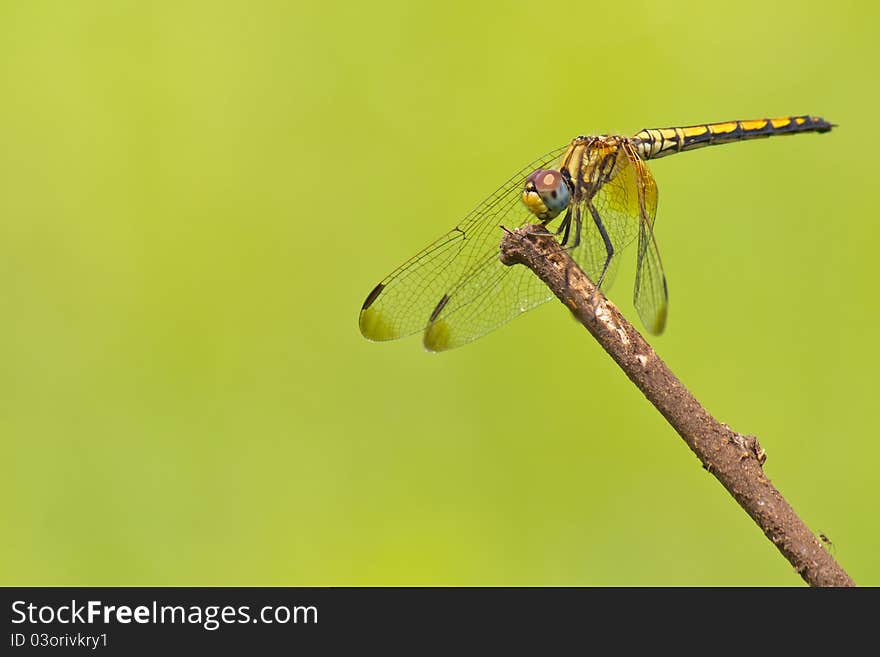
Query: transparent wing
x,y
492,295
614,204
625,204
650,295
458,270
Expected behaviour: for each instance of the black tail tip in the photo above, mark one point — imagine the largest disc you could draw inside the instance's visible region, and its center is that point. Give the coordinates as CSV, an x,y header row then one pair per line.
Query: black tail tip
x,y
825,126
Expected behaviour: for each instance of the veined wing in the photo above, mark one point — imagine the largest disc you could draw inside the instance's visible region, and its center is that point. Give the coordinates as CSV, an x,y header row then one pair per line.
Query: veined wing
x,y
626,204
650,295
616,206
457,270
490,296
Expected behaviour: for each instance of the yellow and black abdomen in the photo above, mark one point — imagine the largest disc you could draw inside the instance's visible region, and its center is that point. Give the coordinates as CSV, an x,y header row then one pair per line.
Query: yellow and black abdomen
x,y
659,142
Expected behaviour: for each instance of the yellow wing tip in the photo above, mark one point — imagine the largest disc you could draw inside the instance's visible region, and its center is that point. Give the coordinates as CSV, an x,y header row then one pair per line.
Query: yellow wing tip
x,y
374,326
659,321
438,336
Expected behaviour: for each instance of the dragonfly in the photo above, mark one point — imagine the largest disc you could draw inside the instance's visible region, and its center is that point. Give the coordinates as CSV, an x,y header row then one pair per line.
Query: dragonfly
x,y
596,193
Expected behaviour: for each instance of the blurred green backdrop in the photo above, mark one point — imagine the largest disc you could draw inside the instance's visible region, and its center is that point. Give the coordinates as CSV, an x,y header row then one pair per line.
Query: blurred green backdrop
x,y
195,197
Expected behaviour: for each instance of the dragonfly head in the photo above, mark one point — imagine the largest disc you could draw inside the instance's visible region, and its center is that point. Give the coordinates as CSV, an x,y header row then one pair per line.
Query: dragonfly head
x,y
546,194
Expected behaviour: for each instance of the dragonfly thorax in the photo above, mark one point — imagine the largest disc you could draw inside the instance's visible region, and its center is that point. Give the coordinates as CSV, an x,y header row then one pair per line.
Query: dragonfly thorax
x,y
546,193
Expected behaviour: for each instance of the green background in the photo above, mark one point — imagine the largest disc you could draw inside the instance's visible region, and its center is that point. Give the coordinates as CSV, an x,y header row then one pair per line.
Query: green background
x,y
195,198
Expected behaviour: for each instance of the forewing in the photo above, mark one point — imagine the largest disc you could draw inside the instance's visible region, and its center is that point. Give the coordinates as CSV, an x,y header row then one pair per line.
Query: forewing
x,y
457,269
626,204
616,204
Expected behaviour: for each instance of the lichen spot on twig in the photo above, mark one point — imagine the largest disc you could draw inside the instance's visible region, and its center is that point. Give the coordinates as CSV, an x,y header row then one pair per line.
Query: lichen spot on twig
x,y
603,314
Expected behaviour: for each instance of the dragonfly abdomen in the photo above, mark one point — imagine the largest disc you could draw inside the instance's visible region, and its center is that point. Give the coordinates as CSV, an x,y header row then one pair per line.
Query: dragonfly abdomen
x,y
659,142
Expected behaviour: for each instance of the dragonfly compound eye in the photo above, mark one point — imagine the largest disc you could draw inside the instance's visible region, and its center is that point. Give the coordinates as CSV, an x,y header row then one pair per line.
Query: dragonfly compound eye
x,y
545,194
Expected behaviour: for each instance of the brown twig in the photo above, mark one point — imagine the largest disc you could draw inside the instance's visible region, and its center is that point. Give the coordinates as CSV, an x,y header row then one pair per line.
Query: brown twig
x,y
735,460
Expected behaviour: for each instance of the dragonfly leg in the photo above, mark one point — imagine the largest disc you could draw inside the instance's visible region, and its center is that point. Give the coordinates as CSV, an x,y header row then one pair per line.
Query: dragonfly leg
x,y
577,232
565,225
567,222
609,248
